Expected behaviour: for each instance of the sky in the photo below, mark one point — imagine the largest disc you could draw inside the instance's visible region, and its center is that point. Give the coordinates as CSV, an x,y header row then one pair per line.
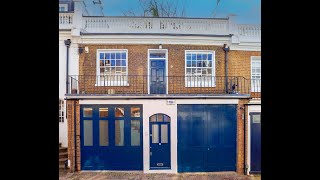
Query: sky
x,y
245,11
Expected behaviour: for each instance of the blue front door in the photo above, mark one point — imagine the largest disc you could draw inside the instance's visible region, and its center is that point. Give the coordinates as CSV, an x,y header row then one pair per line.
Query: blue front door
x,y
157,77
159,141
255,142
206,138
111,137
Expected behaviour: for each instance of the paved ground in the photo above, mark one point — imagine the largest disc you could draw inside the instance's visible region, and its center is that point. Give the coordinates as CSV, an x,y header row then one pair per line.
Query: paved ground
x,y
142,176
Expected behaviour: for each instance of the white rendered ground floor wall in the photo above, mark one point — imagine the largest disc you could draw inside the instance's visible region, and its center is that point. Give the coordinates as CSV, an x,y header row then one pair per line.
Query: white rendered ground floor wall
x,y
252,107
151,107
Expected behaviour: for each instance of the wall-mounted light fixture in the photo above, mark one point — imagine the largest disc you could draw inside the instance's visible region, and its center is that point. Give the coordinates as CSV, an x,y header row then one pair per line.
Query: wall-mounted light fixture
x,y
160,46
86,49
80,50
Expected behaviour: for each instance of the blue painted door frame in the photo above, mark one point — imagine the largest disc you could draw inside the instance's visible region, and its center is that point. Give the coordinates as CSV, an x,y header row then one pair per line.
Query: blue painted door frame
x,y
206,138
124,155
157,77
255,145
160,143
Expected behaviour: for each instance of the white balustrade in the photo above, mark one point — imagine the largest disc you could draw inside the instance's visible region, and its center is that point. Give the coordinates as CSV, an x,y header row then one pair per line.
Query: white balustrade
x,y
65,20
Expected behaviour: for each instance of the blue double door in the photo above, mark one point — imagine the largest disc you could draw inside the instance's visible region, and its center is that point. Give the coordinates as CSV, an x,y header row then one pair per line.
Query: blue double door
x,y
206,138
111,137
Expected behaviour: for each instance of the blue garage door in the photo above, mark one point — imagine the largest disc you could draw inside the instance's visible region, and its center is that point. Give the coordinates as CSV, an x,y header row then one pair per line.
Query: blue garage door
x,y
206,138
111,137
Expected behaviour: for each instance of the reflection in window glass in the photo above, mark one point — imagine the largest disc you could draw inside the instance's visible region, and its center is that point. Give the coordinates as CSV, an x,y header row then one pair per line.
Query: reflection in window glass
x,y
104,136
119,132
155,133
135,132
119,112
166,118
135,112
103,112
160,117
87,132
87,112
153,118
164,133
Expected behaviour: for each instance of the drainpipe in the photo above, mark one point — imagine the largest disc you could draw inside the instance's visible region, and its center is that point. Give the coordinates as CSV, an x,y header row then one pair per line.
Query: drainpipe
x,y
75,135
244,124
226,50
67,43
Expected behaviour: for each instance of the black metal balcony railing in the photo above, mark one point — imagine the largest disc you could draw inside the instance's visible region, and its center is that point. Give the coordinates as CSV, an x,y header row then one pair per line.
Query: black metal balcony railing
x,y
170,85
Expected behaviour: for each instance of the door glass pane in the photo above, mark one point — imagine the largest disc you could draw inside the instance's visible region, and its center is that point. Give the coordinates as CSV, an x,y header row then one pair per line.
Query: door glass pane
x,y
160,118
119,132
119,112
135,112
103,112
104,135
164,133
256,118
135,132
87,112
87,132
153,118
166,118
155,133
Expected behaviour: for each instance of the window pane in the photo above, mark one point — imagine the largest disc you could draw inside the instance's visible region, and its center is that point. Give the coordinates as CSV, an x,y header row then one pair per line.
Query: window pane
x,y
155,133
135,112
108,56
123,63
135,132
193,57
188,56
199,56
157,55
87,133
119,112
87,112
256,118
118,56
123,56
164,133
113,55
103,112
194,63
188,63
118,63
160,117
153,118
104,133
101,55
209,56
119,132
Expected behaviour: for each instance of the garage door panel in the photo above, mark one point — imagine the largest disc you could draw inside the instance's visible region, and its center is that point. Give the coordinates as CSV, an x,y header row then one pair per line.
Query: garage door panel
x,y
206,138
112,148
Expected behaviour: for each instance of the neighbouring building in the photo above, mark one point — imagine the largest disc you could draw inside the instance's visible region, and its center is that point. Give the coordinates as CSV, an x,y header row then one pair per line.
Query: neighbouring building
x,y
160,94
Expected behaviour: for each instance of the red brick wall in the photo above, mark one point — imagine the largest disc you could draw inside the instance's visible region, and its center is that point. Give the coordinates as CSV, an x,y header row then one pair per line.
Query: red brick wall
x,y
239,65
73,112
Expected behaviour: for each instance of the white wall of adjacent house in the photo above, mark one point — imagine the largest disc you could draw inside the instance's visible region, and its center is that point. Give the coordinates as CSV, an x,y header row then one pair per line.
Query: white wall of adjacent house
x,y
63,128
251,108
154,106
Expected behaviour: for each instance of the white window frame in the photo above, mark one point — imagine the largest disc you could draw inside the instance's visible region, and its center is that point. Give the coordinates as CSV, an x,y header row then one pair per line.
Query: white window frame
x,y
65,7
101,82
61,110
201,83
255,83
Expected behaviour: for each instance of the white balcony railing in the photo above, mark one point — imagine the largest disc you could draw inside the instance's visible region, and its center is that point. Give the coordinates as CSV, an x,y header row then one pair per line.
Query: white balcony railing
x,y
154,25
65,20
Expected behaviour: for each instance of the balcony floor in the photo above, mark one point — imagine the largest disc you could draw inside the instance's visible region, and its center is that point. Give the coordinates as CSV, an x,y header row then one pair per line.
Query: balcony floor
x,y
157,96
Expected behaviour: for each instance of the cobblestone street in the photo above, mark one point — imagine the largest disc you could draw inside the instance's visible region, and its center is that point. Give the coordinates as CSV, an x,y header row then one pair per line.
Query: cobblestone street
x,y
143,176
